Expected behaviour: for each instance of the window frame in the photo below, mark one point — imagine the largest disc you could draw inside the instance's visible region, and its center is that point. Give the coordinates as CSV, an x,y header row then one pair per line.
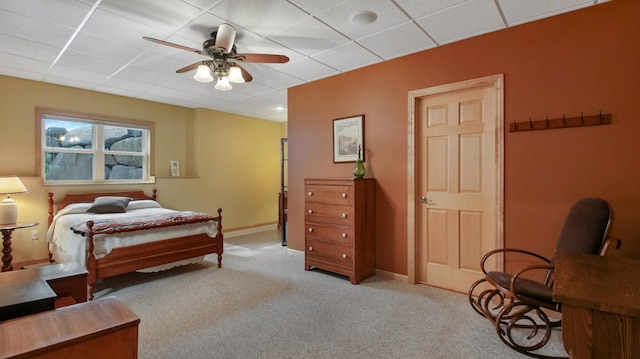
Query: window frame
x,y
98,151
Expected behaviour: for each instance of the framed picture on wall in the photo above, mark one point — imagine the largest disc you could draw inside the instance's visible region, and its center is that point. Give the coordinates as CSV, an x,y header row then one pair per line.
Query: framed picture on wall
x,y
348,136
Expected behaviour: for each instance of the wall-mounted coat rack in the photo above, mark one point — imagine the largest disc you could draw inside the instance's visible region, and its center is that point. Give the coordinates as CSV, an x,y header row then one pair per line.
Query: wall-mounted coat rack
x,y
563,122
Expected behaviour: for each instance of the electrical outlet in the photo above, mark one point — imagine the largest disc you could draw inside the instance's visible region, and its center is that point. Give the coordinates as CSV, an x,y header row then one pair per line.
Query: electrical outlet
x,y
35,234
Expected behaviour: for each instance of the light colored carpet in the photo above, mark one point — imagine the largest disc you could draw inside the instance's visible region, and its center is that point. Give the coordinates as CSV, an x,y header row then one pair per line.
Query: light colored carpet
x,y
263,304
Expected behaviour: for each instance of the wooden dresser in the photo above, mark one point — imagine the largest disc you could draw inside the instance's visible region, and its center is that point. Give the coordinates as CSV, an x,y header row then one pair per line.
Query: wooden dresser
x,y
340,226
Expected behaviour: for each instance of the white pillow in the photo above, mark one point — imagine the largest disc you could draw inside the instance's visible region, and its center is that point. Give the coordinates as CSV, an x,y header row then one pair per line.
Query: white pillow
x,y
143,203
74,208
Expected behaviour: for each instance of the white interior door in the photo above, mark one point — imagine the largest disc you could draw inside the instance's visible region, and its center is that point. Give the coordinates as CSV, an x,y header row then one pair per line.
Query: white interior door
x,y
457,184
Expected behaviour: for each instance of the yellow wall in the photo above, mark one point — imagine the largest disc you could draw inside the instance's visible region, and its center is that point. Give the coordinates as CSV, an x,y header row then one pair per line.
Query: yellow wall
x,y
227,160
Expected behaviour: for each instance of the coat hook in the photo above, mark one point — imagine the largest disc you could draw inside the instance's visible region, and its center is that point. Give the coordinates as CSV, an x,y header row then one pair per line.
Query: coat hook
x,y
530,123
582,118
515,124
547,120
564,120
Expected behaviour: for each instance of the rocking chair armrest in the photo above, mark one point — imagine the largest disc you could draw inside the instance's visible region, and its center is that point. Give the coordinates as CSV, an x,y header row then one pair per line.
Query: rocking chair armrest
x,y
510,250
515,277
608,243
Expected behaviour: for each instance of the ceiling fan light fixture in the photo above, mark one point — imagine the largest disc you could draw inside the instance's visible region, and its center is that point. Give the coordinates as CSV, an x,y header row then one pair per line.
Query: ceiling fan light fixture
x,y
235,75
203,74
223,84
225,37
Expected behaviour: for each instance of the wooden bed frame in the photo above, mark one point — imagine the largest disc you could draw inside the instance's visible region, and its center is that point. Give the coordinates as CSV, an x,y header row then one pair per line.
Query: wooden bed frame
x,y
128,259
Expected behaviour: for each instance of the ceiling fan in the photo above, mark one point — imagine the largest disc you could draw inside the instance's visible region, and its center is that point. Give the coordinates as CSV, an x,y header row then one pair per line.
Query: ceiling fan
x,y
224,59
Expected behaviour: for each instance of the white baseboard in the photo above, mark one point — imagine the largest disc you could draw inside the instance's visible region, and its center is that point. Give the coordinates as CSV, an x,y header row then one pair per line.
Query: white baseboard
x,y
252,230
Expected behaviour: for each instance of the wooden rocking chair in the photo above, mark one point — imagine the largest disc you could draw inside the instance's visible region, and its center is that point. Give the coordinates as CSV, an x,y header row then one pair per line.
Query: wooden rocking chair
x,y
517,300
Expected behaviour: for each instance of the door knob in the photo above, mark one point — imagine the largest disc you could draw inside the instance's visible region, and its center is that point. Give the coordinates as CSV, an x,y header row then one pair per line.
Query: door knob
x,y
426,200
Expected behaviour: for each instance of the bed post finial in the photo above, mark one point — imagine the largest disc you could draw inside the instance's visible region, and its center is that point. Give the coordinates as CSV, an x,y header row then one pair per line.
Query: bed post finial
x,y
91,261
154,194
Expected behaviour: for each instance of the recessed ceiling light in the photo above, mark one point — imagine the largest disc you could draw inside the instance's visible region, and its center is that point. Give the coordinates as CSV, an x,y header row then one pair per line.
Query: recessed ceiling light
x,y
363,17
280,108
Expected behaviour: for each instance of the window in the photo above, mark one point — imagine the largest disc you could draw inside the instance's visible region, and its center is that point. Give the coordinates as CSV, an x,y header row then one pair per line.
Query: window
x,y
85,149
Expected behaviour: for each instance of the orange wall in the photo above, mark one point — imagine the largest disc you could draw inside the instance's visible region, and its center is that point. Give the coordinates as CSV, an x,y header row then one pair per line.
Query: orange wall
x,y
583,61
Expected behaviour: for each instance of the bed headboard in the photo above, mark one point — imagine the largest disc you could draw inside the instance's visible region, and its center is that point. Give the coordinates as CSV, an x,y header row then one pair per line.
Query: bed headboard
x,y
89,197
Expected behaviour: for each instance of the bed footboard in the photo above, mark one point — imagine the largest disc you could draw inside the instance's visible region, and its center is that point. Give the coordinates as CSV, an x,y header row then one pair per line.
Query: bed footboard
x,y
128,259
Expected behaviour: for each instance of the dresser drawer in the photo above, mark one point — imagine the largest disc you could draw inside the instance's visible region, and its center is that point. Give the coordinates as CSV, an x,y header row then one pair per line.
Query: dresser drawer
x,y
336,254
328,213
336,234
341,195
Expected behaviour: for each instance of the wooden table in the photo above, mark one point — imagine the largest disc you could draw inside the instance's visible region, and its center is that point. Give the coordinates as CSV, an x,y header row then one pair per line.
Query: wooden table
x,y
600,299
7,230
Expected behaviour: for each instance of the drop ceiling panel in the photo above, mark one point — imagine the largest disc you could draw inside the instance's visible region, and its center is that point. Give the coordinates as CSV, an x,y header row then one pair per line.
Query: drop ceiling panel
x,y
261,17
26,48
386,45
347,57
277,80
26,28
314,7
309,37
466,20
162,64
108,53
103,48
74,73
22,63
120,29
144,76
519,11
163,15
60,12
388,15
80,61
423,8
307,69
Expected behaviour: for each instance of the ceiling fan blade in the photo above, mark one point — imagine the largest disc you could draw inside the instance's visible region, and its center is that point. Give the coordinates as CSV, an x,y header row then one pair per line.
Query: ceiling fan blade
x,y
225,36
264,58
245,74
190,67
171,44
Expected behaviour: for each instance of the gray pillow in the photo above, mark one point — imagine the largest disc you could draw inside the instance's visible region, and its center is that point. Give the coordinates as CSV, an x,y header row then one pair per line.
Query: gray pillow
x,y
111,204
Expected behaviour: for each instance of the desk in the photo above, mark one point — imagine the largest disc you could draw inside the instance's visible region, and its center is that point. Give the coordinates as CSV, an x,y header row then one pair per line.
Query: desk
x,y
7,230
600,299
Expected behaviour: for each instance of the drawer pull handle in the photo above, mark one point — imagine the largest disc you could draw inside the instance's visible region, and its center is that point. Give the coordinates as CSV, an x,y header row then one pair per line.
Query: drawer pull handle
x,y
310,249
344,215
344,235
310,229
310,211
310,193
344,195
344,256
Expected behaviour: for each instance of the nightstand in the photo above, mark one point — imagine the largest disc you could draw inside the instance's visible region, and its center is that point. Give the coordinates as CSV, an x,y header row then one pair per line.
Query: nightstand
x,y
7,230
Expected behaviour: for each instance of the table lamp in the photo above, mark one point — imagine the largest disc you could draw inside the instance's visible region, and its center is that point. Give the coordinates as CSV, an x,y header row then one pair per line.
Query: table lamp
x,y
8,207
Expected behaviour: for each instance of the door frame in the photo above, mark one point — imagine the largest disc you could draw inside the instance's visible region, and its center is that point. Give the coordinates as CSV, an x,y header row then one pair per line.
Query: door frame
x,y
495,81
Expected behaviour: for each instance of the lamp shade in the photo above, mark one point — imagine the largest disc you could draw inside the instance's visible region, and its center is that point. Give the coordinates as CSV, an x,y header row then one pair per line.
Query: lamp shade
x,y
223,84
8,209
203,74
235,75
11,185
